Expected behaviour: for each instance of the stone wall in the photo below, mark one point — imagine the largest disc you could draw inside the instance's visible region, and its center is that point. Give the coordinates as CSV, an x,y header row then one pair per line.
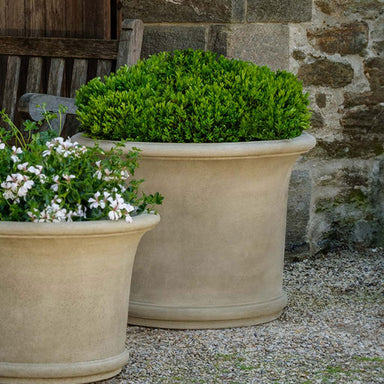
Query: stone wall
x,y
339,57
336,48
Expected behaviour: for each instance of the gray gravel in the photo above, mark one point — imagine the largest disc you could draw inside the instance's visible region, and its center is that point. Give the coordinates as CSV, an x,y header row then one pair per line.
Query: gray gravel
x,y
331,332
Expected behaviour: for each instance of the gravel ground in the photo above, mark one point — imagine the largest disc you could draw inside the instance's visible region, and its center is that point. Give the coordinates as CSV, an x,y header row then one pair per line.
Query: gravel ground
x,y
332,331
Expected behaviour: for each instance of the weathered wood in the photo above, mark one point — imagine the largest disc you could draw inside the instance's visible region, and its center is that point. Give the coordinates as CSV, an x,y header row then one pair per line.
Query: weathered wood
x,y
131,40
11,85
30,107
74,18
13,11
34,74
97,10
55,22
29,102
55,78
104,68
79,75
35,18
59,47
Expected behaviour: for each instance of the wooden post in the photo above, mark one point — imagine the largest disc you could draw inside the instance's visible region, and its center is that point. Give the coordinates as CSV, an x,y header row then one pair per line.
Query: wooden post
x,y
11,85
131,39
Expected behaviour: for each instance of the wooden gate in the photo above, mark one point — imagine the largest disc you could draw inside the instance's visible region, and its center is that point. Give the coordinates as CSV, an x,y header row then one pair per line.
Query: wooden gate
x,y
59,18
96,19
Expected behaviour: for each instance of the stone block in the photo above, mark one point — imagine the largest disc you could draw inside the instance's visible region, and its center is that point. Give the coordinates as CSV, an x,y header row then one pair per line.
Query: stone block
x,y
374,71
367,9
185,11
366,98
347,39
324,72
321,100
298,55
347,148
378,47
168,38
299,201
279,11
317,120
363,122
263,44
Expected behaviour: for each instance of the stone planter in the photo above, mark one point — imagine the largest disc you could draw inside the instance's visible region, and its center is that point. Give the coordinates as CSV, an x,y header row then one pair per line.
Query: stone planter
x,y
217,258
64,292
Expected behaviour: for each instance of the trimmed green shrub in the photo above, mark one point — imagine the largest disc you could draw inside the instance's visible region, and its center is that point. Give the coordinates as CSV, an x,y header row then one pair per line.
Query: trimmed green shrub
x,y
193,96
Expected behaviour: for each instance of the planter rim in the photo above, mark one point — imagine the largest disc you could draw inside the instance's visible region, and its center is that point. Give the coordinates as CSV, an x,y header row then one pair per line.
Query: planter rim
x,y
78,229
286,147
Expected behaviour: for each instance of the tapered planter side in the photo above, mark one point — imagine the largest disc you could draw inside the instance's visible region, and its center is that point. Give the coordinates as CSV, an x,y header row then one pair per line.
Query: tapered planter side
x,y
64,291
217,258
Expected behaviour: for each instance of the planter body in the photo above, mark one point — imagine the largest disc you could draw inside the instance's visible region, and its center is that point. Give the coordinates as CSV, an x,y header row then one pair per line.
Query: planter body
x,y
64,290
216,260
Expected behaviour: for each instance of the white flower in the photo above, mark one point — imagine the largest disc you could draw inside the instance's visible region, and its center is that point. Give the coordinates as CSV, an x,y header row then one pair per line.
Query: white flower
x,y
15,152
98,173
108,175
128,219
115,212
23,190
33,215
9,195
68,177
47,152
124,174
22,167
43,178
45,217
35,170
59,215
96,202
55,187
2,145
81,211
65,148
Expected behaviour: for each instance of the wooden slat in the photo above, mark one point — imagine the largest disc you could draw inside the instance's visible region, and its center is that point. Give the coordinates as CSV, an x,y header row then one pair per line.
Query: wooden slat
x,y
74,18
55,78
96,19
104,68
34,74
3,18
55,22
59,47
11,85
14,22
131,40
35,18
79,75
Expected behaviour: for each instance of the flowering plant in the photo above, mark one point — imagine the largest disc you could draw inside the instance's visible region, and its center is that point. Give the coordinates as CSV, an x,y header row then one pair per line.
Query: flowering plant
x,y
49,179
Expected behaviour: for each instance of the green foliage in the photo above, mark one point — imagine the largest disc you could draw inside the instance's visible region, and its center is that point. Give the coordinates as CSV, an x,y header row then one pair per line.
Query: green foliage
x,y
49,179
194,96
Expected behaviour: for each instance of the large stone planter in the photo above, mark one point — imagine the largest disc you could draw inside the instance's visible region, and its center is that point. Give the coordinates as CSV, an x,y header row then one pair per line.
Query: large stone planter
x,y
216,260
64,292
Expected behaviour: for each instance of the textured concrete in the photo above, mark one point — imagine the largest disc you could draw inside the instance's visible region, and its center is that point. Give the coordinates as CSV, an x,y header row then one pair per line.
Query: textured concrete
x,y
170,37
181,11
263,44
279,11
64,291
216,260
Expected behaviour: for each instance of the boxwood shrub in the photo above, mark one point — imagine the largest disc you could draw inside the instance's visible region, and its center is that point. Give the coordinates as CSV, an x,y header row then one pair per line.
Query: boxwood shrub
x,y
193,96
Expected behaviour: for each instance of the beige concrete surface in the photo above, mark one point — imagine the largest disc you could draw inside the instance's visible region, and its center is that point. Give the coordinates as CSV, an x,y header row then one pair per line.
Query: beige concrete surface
x,y
64,290
216,260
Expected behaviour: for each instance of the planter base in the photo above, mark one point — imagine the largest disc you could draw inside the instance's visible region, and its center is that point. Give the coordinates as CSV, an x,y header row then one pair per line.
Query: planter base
x,y
71,373
206,317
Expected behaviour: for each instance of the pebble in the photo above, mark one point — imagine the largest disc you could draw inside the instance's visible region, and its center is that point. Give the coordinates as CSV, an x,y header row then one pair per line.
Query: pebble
x,y
332,331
